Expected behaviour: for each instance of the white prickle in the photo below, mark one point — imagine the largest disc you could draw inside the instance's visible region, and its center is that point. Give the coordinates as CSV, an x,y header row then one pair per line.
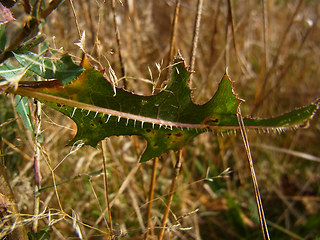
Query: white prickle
x,y
127,122
88,112
109,115
142,124
74,110
119,119
96,115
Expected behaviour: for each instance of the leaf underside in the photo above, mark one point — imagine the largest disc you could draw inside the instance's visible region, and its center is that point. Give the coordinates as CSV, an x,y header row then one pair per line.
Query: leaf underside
x,y
167,120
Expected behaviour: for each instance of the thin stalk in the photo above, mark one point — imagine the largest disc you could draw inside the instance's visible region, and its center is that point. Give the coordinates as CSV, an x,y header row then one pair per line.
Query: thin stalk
x,y
52,6
265,20
151,193
37,173
172,41
195,37
262,218
265,53
106,185
117,32
174,31
230,23
170,195
75,17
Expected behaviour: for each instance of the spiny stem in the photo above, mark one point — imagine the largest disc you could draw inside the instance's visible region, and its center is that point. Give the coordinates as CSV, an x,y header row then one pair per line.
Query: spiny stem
x,y
151,192
170,196
262,218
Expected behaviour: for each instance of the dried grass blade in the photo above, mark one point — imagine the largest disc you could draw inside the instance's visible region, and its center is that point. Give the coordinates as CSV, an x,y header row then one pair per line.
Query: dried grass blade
x,y
195,37
262,218
123,72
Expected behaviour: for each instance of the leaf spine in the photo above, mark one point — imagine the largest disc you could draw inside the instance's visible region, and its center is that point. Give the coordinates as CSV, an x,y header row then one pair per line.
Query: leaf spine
x,y
74,110
88,112
119,119
142,124
127,122
96,115
109,115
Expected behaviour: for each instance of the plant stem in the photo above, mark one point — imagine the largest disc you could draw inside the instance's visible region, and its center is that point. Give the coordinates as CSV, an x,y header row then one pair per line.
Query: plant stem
x,y
37,172
172,43
117,32
195,37
75,17
174,30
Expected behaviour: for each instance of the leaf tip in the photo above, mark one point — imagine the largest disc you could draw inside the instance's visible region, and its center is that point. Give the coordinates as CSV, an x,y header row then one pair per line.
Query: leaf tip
x,y
85,62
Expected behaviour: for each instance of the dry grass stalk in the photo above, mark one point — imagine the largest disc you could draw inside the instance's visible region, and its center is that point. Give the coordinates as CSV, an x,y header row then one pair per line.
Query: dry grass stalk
x,y
262,218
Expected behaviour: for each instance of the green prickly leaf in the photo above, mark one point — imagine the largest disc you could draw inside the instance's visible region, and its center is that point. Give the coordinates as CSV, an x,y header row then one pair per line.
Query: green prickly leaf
x,y
167,120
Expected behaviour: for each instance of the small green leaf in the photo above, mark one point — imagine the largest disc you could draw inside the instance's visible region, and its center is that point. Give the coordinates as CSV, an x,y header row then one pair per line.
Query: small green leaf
x,y
64,69
22,108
